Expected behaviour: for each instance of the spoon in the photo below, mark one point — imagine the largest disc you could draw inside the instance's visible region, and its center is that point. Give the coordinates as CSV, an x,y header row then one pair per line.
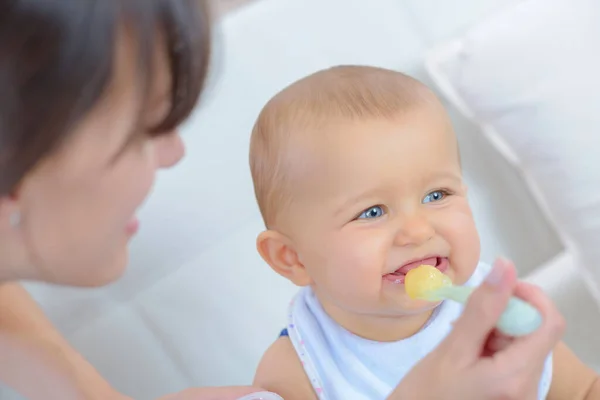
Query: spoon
x,y
429,283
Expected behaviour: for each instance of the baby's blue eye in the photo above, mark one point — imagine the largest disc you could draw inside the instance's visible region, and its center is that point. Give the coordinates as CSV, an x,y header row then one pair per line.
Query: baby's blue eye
x,y
434,196
373,212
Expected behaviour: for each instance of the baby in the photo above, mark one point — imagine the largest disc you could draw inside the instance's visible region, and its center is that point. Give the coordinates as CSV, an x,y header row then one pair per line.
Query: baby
x,y
358,178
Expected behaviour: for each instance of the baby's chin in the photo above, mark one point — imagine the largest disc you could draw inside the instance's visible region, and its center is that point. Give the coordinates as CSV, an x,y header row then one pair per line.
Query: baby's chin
x,y
398,302
410,306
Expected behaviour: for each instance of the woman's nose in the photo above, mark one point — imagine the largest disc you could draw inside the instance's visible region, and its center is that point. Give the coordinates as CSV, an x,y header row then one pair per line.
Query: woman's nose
x,y
169,150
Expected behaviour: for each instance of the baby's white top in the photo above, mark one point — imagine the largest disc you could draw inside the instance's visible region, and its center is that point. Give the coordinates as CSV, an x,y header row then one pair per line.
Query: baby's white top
x,y
343,366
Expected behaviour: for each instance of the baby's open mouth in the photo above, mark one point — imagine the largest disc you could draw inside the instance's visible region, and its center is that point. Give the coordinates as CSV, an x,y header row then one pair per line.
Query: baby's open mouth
x,y
398,276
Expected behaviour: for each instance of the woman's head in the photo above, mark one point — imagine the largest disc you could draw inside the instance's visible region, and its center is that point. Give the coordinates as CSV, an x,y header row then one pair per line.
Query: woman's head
x,y
92,94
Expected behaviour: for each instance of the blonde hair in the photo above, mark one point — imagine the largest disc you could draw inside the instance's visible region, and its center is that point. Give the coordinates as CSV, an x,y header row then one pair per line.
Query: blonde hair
x,y
338,93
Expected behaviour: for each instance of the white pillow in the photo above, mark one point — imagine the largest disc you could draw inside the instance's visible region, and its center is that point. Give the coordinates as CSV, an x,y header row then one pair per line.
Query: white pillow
x,y
530,77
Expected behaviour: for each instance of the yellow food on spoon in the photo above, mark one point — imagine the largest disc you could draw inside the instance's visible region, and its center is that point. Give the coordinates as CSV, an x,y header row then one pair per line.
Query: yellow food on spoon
x,y
421,282
428,283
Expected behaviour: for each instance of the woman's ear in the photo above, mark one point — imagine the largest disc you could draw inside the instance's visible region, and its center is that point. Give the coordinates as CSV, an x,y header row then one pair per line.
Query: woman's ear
x,y
278,251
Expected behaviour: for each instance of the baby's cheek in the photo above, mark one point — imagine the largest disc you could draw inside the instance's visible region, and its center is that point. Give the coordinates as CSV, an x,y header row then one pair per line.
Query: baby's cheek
x,y
460,229
355,268
463,239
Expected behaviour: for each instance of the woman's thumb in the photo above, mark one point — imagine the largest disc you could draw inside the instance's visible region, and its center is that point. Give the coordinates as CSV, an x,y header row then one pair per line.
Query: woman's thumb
x,y
482,311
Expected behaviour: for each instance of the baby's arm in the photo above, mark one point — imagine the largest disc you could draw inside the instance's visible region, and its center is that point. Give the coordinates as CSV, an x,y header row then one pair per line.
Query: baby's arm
x,y
571,379
281,372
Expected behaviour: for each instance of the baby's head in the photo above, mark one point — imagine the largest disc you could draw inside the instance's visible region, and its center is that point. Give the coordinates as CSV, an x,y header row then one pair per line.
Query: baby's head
x,y
357,173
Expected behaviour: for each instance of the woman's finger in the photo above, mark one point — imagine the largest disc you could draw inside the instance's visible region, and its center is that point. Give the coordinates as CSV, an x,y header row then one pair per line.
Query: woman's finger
x,y
486,304
497,342
540,343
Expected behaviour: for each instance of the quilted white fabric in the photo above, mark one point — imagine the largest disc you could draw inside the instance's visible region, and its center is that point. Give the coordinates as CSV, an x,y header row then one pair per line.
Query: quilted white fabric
x,y
530,77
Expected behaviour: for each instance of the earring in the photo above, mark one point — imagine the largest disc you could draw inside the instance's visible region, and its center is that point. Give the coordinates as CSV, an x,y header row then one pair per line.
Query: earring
x,y
14,219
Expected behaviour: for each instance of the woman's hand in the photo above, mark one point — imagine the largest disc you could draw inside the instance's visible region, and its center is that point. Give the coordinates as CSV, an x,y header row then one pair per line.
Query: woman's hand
x,y
474,361
223,393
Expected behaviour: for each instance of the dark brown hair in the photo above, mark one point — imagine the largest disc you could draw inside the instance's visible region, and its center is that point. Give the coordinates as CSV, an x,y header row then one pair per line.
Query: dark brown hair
x,y
56,61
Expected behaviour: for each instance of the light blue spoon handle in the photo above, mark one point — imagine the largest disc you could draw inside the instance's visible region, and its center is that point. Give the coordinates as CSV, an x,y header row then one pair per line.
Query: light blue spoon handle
x,y
518,319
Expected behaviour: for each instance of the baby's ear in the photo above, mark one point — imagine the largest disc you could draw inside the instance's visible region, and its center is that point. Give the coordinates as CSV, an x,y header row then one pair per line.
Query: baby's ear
x,y
278,251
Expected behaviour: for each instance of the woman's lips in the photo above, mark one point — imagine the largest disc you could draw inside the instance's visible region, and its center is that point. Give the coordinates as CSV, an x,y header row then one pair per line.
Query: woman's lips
x,y
132,226
398,276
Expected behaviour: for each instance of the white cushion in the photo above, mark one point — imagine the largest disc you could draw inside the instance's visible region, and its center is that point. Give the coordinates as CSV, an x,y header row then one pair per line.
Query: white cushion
x,y
530,77
575,303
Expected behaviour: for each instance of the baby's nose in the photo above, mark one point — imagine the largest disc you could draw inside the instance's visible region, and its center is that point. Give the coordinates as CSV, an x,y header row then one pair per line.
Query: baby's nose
x,y
414,231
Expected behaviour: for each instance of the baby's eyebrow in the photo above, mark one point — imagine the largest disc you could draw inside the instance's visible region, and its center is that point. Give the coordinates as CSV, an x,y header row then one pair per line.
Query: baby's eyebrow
x,y
450,175
346,204
349,201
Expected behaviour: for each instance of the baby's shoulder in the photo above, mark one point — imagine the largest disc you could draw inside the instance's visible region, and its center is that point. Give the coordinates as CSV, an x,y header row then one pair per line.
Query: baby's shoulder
x,y
280,371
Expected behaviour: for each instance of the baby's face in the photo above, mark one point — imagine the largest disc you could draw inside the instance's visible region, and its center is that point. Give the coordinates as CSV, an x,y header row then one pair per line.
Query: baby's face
x,y
376,196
